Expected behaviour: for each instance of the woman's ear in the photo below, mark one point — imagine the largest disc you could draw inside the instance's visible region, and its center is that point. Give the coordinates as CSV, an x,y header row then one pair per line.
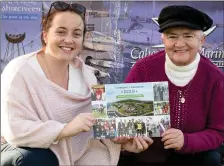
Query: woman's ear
x,y
45,36
162,37
203,40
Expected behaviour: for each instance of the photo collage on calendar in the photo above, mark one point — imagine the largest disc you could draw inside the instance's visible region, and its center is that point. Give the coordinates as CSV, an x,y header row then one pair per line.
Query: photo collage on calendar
x,y
130,109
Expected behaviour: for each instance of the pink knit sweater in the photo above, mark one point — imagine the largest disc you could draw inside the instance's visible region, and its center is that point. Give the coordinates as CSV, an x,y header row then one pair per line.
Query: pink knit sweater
x,y
34,110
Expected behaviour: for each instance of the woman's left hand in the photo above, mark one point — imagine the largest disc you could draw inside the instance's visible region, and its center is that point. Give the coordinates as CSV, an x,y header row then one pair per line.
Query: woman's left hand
x,y
173,139
120,140
137,144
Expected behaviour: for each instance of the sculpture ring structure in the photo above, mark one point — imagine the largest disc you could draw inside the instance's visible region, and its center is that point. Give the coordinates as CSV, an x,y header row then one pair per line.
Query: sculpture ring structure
x,y
15,38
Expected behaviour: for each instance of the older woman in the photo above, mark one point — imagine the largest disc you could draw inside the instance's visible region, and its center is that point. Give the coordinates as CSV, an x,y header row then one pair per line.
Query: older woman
x,y
196,90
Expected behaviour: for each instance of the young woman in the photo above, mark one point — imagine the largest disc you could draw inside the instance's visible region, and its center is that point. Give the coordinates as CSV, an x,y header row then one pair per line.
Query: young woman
x,y
46,105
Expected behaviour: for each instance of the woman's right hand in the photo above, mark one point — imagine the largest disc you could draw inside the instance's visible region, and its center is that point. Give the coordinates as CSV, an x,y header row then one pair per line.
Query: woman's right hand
x,y
81,123
137,144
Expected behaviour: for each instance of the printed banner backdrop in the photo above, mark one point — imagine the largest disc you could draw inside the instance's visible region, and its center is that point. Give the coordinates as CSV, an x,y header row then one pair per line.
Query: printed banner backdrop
x,y
119,33
20,29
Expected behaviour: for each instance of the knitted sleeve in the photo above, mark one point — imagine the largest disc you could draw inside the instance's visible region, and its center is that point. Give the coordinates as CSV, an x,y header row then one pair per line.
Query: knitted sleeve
x,y
213,136
134,74
21,124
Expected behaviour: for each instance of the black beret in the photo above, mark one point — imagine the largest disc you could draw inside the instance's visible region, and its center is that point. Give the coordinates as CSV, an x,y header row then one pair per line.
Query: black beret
x,y
186,16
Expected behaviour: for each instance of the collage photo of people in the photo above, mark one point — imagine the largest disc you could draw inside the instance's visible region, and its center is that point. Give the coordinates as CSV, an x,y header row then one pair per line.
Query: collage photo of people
x,y
161,98
98,101
131,126
150,126
105,129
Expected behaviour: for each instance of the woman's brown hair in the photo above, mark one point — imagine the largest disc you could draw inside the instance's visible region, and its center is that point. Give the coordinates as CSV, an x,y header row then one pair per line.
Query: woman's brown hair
x,y
47,22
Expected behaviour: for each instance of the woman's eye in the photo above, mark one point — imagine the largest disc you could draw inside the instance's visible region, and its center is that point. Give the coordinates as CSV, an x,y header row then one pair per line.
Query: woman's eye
x,y
188,36
77,34
172,37
61,32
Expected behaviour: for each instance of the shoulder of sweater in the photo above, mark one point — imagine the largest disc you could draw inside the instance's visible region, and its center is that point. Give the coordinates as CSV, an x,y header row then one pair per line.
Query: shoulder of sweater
x,y
86,70
211,69
14,67
89,75
16,64
154,58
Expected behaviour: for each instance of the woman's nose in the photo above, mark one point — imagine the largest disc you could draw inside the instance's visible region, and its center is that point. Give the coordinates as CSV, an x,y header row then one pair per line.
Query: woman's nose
x,y
68,39
180,42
